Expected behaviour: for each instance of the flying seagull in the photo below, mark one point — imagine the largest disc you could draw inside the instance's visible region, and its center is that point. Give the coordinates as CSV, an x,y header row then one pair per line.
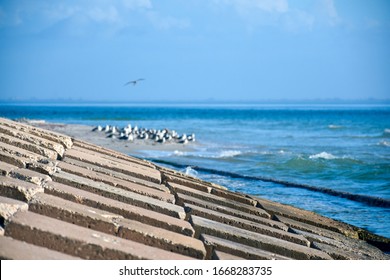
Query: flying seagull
x,y
134,82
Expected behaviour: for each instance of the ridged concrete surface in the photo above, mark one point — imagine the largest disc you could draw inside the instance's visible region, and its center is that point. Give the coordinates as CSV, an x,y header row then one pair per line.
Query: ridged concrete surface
x,y
63,198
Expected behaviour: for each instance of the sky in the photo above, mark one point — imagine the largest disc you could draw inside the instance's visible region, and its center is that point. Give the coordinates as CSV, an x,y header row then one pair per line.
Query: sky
x,y
228,50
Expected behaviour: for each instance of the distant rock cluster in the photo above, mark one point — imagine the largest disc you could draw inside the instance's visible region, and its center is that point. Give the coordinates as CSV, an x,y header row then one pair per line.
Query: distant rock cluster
x,y
129,133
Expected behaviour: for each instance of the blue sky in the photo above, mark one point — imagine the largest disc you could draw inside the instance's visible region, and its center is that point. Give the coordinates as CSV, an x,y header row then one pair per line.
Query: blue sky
x,y
194,49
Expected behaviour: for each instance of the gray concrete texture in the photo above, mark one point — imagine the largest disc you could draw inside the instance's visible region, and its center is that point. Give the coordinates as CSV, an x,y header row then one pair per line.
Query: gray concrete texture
x,y
63,198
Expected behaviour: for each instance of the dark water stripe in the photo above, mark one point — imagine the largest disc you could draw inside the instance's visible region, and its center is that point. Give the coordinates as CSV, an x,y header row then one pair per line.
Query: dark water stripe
x,y
368,200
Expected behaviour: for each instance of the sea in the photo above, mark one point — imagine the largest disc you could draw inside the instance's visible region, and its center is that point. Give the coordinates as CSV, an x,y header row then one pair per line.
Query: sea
x,y
332,159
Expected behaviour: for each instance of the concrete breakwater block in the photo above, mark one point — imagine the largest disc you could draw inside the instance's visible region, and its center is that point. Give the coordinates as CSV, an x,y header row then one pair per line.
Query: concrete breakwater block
x,y
63,198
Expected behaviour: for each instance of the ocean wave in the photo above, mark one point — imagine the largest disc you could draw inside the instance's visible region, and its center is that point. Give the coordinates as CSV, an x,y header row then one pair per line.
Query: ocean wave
x,y
221,154
323,155
228,153
384,143
179,153
335,126
386,132
190,171
31,121
369,200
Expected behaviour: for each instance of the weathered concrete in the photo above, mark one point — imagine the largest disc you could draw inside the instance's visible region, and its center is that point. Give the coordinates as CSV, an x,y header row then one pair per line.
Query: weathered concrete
x,y
64,140
112,153
176,177
306,227
320,225
261,241
329,237
101,200
137,164
13,159
78,241
161,238
6,168
47,166
213,243
28,146
126,210
12,249
224,256
234,196
306,217
231,217
353,248
312,237
75,213
114,224
17,156
247,225
115,164
120,183
18,189
339,254
9,207
30,176
116,174
217,200
120,194
25,136
185,181
264,219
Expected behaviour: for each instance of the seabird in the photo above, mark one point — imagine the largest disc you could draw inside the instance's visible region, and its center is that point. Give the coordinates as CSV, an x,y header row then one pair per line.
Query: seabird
x,y
97,128
134,82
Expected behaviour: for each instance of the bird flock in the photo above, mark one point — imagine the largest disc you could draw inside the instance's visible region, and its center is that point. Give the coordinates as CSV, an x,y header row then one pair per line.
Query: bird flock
x,y
130,133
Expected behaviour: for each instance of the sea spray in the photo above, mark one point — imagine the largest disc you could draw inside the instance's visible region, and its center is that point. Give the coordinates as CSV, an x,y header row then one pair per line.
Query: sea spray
x,y
323,155
190,171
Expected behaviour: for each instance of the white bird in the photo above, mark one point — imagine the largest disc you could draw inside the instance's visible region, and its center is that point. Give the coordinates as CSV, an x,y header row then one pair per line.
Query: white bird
x,y
134,82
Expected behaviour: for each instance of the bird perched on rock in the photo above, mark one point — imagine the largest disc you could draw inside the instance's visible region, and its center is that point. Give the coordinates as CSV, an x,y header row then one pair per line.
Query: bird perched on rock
x,y
134,82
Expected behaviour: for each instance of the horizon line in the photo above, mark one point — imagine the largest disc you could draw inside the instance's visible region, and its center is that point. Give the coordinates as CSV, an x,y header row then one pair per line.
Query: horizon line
x,y
203,101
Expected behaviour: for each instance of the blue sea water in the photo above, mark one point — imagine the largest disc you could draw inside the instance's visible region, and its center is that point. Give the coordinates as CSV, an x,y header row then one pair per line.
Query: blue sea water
x,y
248,148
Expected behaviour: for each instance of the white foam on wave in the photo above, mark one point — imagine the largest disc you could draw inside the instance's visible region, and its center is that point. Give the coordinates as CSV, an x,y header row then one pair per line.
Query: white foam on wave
x,y
386,131
228,153
179,153
31,121
323,155
335,126
219,154
190,171
283,152
266,153
384,143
